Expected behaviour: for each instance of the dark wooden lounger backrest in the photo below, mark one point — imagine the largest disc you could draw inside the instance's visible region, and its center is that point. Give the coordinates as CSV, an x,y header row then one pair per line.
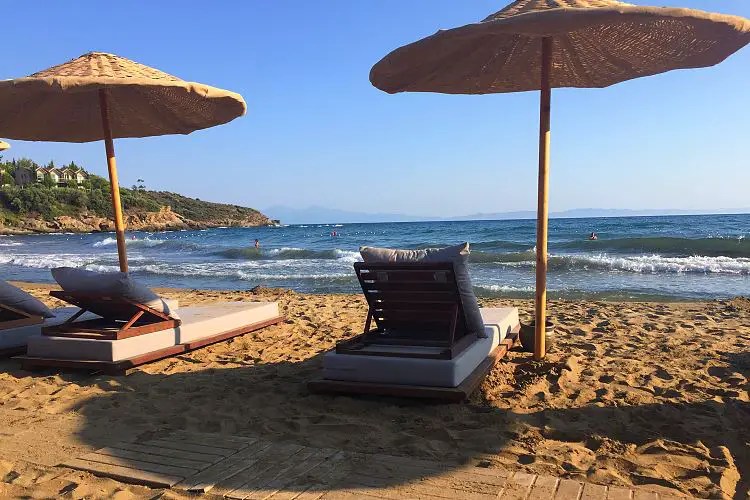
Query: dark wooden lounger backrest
x,y
114,308
11,317
417,297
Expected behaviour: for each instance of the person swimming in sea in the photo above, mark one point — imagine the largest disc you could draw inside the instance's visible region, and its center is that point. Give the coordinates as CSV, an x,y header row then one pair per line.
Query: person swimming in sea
x,y
257,243
593,236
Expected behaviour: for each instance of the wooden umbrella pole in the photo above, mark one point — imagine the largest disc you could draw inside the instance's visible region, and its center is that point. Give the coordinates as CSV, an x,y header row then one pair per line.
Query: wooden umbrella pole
x,y
115,187
542,216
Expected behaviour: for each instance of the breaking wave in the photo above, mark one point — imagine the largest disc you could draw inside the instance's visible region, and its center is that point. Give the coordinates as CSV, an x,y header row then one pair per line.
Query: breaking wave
x,y
177,245
625,263
289,254
710,247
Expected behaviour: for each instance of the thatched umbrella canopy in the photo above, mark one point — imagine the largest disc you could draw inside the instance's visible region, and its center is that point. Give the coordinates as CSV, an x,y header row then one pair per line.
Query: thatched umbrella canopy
x,y
101,96
4,145
541,44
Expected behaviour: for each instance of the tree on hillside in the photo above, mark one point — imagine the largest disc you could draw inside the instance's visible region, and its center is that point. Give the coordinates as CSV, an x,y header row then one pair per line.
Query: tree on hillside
x,y
6,179
25,163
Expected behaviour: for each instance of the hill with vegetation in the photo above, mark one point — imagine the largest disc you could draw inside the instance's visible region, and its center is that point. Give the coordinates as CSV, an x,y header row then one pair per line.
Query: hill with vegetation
x,y
87,207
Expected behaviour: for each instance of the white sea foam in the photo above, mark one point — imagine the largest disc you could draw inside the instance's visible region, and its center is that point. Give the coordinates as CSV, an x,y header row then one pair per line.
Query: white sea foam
x,y
348,255
660,264
647,264
106,242
504,288
45,261
147,242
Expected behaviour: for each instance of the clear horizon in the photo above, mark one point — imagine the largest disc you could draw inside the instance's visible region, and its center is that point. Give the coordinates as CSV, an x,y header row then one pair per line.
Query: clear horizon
x,y
315,126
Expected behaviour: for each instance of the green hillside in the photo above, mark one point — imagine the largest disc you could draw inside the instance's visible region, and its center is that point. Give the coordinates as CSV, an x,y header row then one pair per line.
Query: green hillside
x,y
47,201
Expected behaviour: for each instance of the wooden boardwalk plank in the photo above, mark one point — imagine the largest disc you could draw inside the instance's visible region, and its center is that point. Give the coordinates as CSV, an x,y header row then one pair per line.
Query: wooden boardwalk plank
x,y
288,478
619,493
205,480
250,468
413,489
518,486
272,469
168,452
140,465
474,476
389,467
544,488
459,484
320,479
125,474
396,461
218,441
347,495
195,448
569,490
594,492
265,460
155,459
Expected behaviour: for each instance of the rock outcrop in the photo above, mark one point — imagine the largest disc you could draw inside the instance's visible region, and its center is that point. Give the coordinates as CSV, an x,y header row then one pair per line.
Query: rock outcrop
x,y
163,220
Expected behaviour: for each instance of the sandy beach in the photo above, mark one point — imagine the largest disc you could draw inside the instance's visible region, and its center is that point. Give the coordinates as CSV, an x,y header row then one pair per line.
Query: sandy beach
x,y
631,394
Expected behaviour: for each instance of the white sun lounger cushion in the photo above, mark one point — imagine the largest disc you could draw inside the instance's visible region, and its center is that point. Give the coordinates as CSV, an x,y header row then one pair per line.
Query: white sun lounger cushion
x,y
16,298
421,371
120,284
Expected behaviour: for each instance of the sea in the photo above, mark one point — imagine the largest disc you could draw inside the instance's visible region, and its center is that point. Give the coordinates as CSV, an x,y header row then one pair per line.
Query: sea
x,y
671,258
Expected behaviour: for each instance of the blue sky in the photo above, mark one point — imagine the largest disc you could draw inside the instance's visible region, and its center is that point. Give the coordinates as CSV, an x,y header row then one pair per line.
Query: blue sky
x,y
317,132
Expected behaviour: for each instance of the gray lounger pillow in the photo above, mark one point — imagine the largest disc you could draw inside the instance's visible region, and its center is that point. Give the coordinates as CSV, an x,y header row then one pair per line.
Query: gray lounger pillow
x,y
119,284
458,254
16,298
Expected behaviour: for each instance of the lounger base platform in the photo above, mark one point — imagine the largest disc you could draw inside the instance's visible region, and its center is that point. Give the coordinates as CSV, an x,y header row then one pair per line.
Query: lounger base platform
x,y
443,394
201,326
443,379
13,340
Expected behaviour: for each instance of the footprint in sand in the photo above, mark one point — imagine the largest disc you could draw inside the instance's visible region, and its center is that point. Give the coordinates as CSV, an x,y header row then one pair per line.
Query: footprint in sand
x,y
663,374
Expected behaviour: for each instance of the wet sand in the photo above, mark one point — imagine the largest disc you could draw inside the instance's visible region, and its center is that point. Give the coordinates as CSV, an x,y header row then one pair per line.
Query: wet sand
x,y
631,394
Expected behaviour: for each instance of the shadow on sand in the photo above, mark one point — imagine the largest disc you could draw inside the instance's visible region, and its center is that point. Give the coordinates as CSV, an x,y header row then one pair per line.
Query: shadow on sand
x,y
271,401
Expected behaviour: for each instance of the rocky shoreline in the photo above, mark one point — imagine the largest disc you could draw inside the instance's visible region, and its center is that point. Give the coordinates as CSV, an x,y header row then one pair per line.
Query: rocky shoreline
x,y
163,220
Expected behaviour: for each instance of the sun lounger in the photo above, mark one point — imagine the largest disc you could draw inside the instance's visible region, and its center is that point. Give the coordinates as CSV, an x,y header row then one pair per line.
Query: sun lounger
x,y
134,326
11,321
421,344
20,312
13,339
199,326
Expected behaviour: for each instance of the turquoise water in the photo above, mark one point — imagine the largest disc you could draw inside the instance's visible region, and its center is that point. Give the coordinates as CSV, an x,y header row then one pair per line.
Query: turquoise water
x,y
676,257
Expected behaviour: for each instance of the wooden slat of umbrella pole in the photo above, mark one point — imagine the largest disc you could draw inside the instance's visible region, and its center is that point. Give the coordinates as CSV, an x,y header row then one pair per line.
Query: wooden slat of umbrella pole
x,y
115,187
542,217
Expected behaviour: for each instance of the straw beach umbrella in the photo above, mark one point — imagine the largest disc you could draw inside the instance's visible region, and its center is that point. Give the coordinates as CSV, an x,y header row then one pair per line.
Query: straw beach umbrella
x,y
101,96
4,145
541,44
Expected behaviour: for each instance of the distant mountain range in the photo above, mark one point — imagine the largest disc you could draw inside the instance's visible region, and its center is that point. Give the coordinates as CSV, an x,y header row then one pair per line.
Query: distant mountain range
x,y
322,215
